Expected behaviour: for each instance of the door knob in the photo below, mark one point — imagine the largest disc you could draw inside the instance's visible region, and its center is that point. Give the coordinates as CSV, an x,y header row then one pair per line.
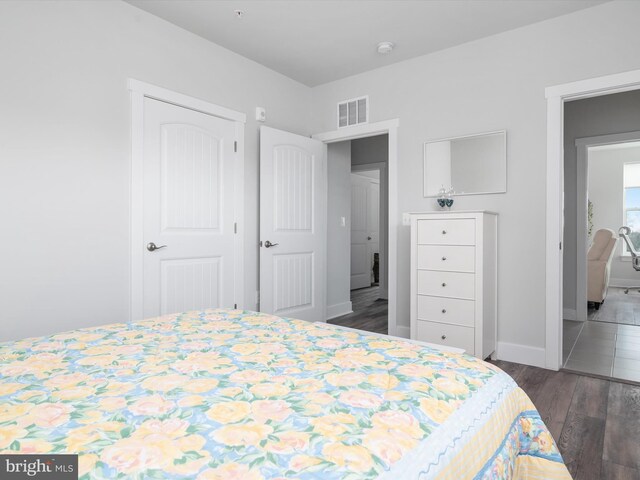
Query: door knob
x,y
444,284
368,238
268,244
444,337
444,310
152,247
444,258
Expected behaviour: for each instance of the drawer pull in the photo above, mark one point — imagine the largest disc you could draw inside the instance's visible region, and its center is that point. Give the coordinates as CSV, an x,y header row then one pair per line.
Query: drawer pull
x,y
444,232
444,284
444,258
444,337
444,310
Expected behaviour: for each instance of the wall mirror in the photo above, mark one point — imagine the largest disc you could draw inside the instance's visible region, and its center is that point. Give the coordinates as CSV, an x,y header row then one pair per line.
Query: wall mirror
x,y
472,164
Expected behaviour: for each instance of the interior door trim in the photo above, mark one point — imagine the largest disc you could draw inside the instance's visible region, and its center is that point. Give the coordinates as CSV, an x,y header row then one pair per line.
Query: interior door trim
x,y
556,96
389,127
139,91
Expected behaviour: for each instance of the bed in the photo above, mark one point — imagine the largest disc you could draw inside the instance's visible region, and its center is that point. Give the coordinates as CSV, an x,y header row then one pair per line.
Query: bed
x,y
229,394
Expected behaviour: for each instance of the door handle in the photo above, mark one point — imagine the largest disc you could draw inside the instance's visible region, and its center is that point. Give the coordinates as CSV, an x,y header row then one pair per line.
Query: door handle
x,y
268,244
152,247
368,238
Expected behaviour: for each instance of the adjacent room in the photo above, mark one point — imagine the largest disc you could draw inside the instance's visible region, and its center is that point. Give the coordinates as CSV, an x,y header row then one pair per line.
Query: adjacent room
x,y
602,181
267,239
357,291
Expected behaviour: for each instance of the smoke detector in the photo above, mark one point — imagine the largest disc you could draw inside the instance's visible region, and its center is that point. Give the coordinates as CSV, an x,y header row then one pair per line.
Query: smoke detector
x,y
385,47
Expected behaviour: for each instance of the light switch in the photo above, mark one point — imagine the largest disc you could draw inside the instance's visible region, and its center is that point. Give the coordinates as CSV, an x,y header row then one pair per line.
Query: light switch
x,y
261,114
343,222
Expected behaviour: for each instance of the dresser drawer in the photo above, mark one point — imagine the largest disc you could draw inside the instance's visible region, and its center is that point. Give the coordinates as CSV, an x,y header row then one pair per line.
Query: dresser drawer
x,y
447,310
446,284
452,258
459,231
449,335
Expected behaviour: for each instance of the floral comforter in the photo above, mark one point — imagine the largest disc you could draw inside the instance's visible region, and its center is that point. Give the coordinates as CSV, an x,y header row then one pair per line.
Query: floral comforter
x,y
227,394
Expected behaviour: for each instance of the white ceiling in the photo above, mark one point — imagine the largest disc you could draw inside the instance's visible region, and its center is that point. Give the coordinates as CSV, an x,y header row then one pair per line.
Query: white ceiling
x,y
318,41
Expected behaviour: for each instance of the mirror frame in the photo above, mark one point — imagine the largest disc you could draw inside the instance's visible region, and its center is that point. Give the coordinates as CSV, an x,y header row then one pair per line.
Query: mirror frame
x,y
455,194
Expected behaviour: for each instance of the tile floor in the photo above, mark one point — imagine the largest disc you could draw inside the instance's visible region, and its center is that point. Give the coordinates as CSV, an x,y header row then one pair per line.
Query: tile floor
x,y
607,349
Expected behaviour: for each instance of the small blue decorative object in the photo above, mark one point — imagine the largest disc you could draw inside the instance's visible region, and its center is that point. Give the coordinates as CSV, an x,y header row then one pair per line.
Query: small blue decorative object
x,y
445,197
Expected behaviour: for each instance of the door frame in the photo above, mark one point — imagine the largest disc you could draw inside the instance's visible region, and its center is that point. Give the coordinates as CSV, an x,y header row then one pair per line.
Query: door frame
x,y
582,193
389,127
383,212
556,97
138,92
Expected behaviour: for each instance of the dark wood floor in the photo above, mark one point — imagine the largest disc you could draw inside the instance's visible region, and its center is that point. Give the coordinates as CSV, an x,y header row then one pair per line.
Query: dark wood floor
x,y
595,422
369,312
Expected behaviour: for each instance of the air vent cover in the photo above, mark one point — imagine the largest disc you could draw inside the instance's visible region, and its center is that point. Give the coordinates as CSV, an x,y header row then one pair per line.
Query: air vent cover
x,y
353,111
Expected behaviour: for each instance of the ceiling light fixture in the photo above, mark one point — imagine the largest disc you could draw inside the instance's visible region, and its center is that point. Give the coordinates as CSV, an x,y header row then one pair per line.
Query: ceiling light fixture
x,y
385,47
239,13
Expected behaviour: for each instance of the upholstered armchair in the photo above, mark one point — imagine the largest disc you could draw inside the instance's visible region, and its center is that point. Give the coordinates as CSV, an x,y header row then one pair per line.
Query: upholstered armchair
x,y
599,265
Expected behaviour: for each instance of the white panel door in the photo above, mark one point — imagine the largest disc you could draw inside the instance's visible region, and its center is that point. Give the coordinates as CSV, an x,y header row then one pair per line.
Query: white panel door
x,y
292,225
360,261
373,222
188,210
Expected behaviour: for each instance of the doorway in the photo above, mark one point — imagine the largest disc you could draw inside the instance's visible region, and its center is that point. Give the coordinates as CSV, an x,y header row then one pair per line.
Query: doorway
x,y
607,340
600,336
358,234
365,229
315,264
557,96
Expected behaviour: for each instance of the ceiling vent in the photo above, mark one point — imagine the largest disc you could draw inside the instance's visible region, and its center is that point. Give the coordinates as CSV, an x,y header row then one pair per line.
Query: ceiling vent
x,y
353,112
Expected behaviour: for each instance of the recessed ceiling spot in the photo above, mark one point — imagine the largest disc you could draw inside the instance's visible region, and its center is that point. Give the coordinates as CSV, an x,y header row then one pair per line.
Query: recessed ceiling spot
x,y
385,47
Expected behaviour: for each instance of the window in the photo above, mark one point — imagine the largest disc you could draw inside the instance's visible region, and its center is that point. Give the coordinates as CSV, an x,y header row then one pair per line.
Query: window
x,y
632,203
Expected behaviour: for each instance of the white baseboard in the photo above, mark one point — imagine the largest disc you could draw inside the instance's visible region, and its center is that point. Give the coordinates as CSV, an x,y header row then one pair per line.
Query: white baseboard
x,y
403,331
338,310
569,314
513,352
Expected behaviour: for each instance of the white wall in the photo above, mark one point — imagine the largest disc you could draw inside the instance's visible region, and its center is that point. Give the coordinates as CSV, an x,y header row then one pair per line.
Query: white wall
x,y
606,174
64,141
339,237
492,84
437,167
370,150
604,115
64,150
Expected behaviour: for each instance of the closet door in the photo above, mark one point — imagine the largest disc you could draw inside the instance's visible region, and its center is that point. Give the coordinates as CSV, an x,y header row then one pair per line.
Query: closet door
x,y
188,210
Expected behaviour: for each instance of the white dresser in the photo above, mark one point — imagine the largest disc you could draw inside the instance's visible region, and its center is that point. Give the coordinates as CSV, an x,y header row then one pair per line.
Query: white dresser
x,y
454,280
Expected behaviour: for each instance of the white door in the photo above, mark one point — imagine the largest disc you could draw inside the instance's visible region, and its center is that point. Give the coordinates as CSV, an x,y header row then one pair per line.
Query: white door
x,y
188,210
292,225
360,263
373,223
365,228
